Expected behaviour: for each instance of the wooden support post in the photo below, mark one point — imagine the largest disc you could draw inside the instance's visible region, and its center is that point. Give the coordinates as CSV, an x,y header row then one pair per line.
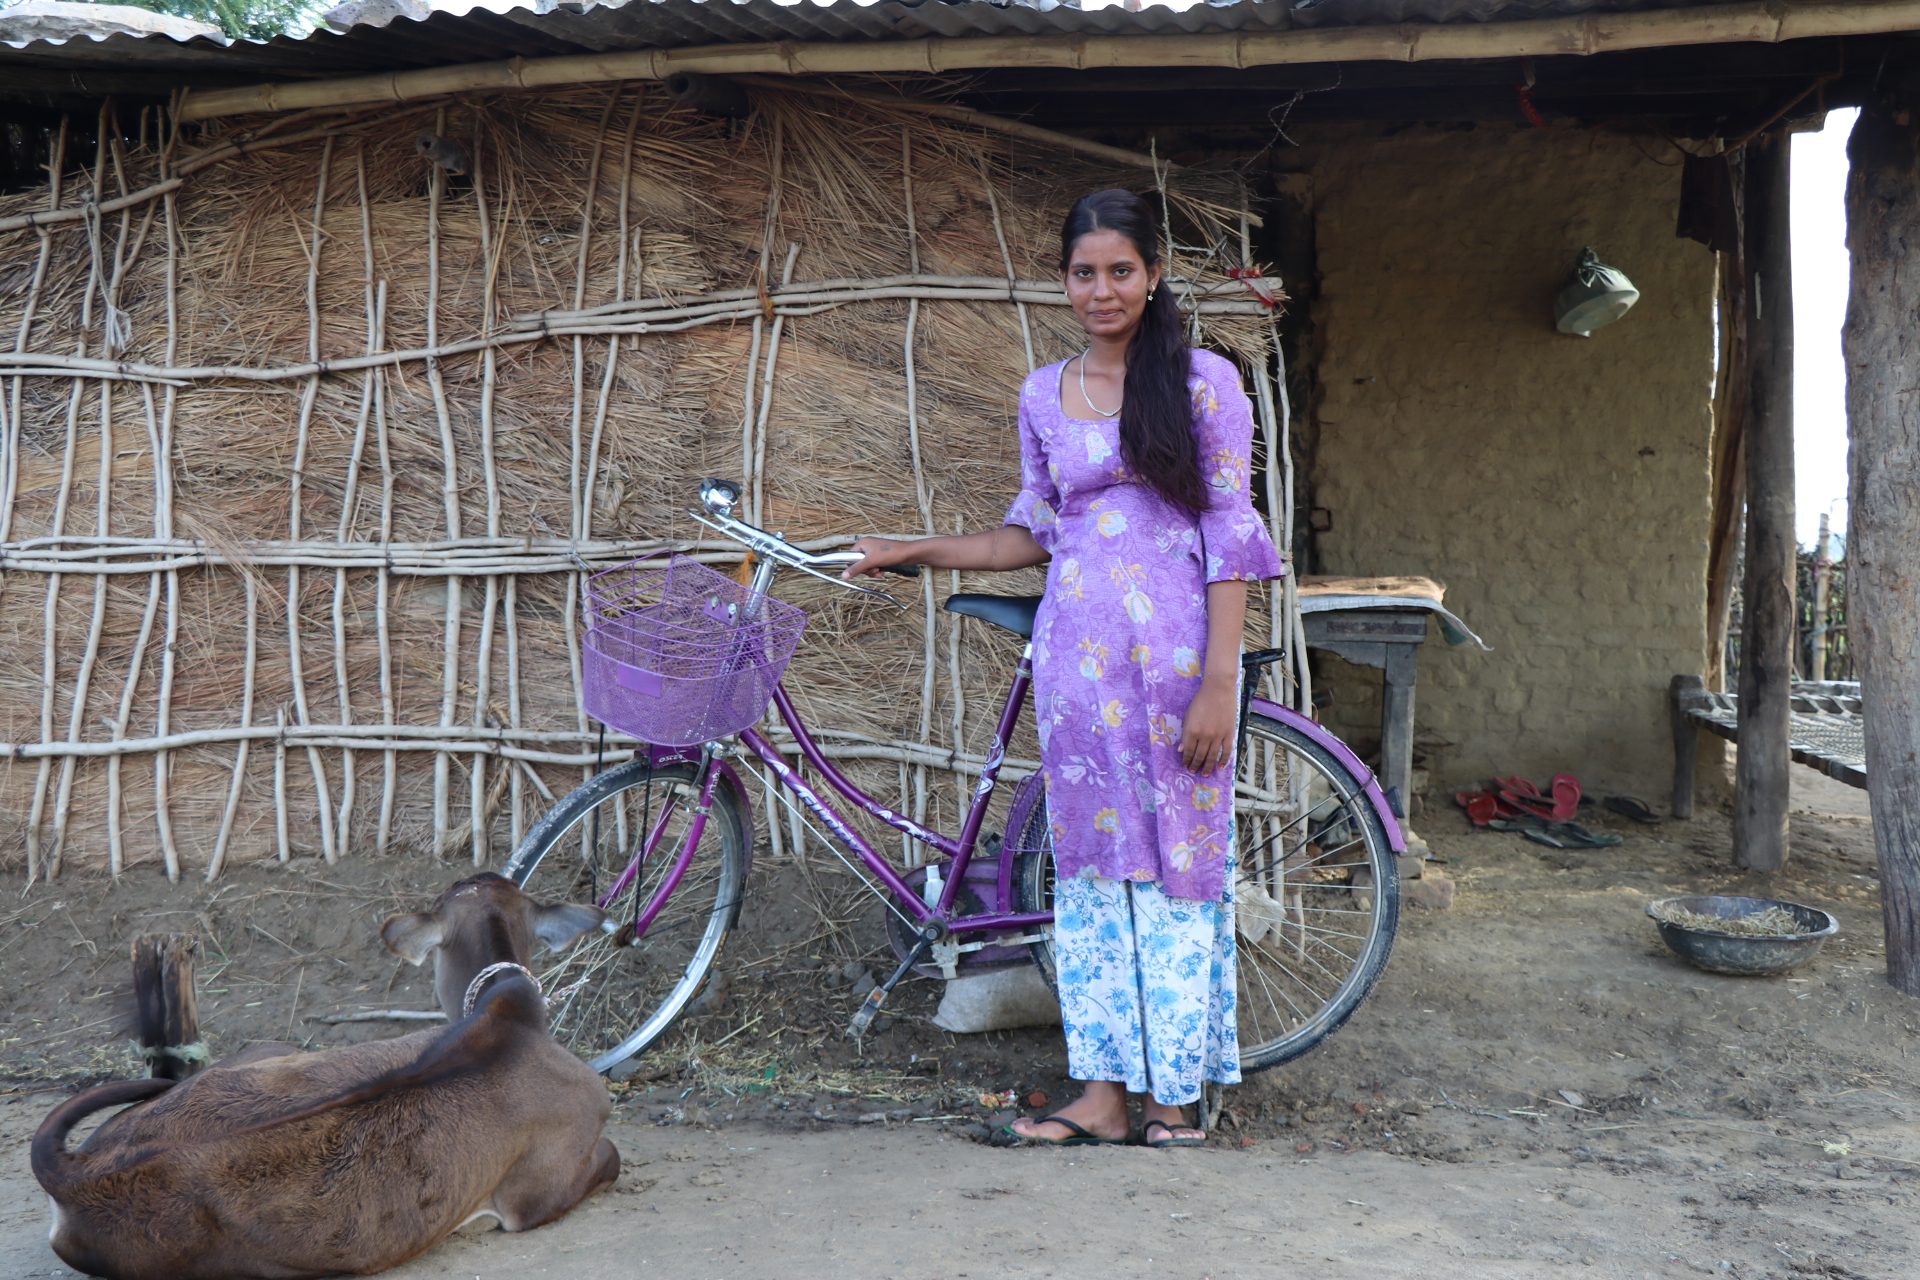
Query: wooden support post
x,y
1729,480
1883,537
1396,727
166,1007
1822,582
1683,692
1766,647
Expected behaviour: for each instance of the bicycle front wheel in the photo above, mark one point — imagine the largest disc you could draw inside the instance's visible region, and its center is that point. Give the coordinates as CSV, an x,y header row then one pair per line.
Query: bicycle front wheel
x,y
614,841
1316,893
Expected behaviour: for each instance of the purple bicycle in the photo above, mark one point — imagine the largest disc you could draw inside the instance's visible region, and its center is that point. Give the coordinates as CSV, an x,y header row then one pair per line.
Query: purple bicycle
x,y
687,660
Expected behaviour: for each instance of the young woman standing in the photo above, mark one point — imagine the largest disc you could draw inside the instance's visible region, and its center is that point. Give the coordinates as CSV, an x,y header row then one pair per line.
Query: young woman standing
x,y
1134,484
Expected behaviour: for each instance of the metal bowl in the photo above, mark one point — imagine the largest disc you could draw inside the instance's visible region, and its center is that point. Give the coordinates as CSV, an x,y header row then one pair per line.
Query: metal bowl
x,y
1744,954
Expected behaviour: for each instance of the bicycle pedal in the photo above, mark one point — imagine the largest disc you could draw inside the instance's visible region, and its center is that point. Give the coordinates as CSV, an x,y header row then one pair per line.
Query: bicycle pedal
x,y
863,1016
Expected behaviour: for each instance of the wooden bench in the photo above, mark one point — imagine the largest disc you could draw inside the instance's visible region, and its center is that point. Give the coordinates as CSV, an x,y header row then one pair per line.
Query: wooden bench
x,y
1826,733
1381,623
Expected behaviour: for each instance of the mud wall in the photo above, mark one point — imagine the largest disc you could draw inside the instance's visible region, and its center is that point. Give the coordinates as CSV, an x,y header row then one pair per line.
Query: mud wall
x,y
1557,485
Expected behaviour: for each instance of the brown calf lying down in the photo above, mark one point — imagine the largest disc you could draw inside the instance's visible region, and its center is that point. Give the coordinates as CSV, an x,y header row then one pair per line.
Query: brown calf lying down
x,y
278,1164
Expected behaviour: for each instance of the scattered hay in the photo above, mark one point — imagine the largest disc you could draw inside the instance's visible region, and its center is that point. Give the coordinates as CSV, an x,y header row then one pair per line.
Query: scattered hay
x,y
1774,922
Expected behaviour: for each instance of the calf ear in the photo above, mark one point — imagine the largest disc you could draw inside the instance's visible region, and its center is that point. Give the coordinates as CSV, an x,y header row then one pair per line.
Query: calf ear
x,y
563,925
413,937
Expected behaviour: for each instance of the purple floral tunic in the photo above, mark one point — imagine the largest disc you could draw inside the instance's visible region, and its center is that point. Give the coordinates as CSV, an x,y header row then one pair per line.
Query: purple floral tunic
x,y
1122,632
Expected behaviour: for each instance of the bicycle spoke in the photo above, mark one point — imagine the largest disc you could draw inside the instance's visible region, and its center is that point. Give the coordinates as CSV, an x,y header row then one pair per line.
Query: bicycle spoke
x,y
622,991
833,846
1298,1013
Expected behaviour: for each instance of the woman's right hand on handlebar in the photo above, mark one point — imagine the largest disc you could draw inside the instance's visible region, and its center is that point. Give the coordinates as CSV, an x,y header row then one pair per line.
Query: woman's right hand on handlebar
x,y
878,555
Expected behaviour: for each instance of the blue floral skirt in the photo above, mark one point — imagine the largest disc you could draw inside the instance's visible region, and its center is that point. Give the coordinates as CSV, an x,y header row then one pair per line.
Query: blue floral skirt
x,y
1147,991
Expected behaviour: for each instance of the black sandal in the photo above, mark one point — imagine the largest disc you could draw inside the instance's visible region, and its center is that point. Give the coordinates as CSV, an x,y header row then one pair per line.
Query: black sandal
x,y
1170,1140
1008,1136
1630,807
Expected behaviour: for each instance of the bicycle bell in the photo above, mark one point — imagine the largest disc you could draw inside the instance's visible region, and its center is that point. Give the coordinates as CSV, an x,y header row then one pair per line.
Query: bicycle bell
x,y
718,496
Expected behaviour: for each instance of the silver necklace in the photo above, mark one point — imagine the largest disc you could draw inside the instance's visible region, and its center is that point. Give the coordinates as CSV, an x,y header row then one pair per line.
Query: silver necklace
x,y
1105,413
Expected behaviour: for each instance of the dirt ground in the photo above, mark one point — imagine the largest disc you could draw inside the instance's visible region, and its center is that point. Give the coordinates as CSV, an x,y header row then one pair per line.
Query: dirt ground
x,y
1537,1087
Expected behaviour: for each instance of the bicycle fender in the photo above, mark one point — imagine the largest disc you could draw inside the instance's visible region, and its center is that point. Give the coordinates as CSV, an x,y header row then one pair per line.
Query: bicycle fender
x,y
1396,839
729,778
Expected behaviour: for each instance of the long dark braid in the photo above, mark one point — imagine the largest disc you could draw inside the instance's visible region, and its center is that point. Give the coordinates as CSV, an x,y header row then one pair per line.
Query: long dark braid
x,y
1156,416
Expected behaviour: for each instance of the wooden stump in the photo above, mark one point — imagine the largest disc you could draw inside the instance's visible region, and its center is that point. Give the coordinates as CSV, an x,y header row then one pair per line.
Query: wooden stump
x,y
1883,545
167,1007
1767,631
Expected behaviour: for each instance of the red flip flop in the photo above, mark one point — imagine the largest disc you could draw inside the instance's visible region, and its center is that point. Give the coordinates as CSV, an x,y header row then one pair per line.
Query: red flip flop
x,y
1533,806
1558,803
1482,806
1566,796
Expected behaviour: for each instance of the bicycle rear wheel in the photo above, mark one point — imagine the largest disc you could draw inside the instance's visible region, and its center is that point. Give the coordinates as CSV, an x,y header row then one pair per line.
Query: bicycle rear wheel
x,y
617,991
1316,890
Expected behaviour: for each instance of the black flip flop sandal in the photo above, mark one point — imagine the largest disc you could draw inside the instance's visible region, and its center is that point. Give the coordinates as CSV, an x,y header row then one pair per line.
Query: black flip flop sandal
x,y
1571,835
1008,1136
1629,807
1169,1141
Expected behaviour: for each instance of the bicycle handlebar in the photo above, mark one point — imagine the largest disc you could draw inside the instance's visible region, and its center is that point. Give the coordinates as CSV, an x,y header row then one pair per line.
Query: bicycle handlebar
x,y
718,497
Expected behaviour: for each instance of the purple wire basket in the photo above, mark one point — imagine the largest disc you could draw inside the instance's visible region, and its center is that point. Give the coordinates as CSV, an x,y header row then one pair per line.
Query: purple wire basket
x,y
677,654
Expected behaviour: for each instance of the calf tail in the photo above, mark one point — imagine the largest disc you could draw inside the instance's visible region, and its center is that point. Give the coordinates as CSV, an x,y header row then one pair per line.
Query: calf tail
x,y
52,1162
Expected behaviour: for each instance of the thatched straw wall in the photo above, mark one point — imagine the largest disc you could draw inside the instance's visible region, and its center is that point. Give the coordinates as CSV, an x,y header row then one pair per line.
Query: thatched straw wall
x,y
305,442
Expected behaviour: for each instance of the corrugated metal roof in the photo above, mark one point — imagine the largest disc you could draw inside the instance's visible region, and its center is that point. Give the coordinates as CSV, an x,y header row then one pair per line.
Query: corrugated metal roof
x,y
480,35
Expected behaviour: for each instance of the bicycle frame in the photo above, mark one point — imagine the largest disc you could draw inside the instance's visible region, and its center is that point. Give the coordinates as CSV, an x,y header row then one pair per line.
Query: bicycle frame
x,y
715,770
959,851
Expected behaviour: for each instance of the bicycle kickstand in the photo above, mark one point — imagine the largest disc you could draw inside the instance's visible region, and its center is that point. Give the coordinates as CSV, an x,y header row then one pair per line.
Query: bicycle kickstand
x,y
930,933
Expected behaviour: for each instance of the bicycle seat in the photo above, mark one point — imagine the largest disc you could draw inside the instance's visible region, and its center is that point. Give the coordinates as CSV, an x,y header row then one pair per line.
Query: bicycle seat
x,y
1015,613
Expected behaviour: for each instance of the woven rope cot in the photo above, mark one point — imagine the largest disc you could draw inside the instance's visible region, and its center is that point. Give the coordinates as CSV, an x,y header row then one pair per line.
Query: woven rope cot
x,y
312,423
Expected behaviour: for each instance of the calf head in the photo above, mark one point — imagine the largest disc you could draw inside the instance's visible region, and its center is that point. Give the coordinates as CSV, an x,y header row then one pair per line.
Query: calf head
x,y
483,920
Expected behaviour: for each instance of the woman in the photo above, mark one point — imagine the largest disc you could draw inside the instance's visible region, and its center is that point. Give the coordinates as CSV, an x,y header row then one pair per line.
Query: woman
x,y
1134,472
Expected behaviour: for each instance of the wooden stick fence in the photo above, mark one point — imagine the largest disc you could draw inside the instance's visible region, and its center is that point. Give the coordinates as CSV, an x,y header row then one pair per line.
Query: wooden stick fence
x,y
335,581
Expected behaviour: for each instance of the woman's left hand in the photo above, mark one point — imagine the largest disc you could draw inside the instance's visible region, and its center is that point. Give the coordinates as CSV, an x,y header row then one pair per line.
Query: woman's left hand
x,y
1206,738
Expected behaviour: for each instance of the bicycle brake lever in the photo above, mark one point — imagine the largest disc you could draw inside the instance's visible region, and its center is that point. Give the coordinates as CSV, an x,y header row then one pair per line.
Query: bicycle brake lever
x,y
767,545
875,592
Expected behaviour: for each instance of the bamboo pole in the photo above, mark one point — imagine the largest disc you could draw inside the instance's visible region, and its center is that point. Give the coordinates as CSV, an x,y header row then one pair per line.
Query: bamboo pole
x,y
1006,259
1207,301
1001,288
95,279
128,690
282,844
921,493
55,169
963,115
243,735
464,557
10,439
349,501
517,799
576,459
449,497
756,412
756,463
477,793
461,739
953,675
163,489
383,582
303,426
589,485
1571,35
